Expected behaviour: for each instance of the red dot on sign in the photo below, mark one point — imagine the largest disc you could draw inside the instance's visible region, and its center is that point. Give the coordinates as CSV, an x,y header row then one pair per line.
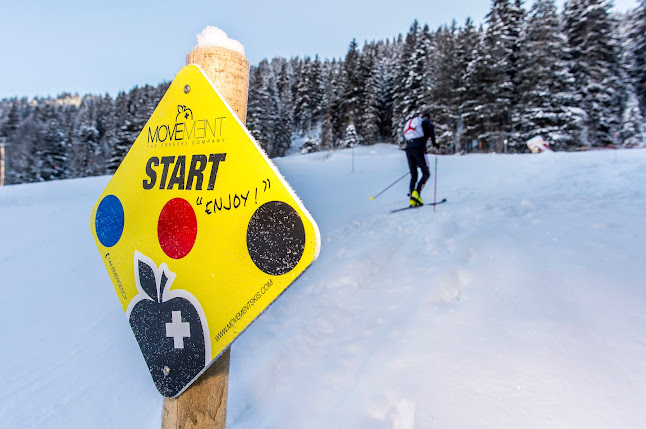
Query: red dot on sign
x,y
177,228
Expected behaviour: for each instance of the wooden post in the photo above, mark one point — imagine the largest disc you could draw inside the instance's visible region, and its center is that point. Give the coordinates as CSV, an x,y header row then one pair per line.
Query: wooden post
x,y
204,403
229,73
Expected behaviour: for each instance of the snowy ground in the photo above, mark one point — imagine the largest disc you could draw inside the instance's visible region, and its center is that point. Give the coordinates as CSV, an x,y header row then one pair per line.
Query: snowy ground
x,y
518,304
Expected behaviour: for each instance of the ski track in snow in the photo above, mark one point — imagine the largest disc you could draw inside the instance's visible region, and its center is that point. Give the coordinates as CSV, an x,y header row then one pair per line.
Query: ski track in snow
x,y
388,297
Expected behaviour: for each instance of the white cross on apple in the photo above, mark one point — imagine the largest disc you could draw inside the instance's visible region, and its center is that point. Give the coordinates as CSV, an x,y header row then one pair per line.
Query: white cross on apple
x,y
178,330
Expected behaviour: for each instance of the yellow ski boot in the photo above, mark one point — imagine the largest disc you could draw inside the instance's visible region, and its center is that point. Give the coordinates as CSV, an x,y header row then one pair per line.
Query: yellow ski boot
x,y
416,199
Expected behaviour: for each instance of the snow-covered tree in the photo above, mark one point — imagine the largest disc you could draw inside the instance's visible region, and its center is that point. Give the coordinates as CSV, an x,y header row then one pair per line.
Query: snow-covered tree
x,y
351,85
303,106
547,101
368,120
351,137
264,113
466,49
20,132
446,83
133,109
633,131
332,126
385,67
500,69
283,129
84,146
49,150
107,128
491,78
413,78
310,145
639,51
593,55
317,90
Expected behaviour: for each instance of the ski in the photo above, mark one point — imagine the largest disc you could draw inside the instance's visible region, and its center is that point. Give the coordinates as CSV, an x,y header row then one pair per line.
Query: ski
x,y
415,207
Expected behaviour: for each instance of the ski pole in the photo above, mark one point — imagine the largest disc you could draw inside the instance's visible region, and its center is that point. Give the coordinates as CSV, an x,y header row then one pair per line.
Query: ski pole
x,y
390,186
435,187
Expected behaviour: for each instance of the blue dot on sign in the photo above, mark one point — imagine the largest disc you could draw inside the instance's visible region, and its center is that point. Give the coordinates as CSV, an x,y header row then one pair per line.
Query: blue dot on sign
x,y
109,221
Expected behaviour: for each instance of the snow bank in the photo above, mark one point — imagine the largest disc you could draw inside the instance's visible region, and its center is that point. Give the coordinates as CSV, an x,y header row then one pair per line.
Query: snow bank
x,y
518,304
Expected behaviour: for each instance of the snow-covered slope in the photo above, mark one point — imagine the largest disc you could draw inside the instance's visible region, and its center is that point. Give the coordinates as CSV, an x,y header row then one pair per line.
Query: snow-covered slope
x,y
519,303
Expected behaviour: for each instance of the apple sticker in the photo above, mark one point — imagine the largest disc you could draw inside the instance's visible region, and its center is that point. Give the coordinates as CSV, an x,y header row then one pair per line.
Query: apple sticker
x,y
170,328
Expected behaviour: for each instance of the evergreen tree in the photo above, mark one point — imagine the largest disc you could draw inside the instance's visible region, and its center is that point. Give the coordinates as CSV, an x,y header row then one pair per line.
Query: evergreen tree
x,y
351,137
262,109
368,121
85,140
593,54
274,145
107,128
517,23
633,131
547,101
631,118
49,151
384,74
332,126
351,86
19,132
498,68
317,90
133,110
12,116
413,77
474,94
446,83
466,49
284,120
257,102
639,51
125,132
423,62
303,106
11,120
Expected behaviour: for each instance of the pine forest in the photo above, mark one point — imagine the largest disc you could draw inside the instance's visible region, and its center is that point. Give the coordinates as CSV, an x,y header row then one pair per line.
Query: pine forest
x,y
576,77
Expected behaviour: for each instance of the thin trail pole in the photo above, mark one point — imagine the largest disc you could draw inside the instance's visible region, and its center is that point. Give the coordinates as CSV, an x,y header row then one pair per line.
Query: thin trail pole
x,y
390,186
435,187
1,164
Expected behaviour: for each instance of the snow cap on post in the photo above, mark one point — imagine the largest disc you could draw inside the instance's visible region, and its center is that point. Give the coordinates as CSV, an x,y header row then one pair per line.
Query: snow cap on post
x,y
213,36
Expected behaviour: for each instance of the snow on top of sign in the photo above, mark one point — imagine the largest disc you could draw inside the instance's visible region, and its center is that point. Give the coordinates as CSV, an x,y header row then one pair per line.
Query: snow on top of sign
x,y
213,36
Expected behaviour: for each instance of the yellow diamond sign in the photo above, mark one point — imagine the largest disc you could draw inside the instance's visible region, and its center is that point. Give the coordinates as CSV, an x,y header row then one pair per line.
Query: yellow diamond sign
x,y
199,232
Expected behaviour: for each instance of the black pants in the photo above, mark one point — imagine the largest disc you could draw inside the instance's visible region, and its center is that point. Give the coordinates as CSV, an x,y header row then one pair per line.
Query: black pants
x,y
416,159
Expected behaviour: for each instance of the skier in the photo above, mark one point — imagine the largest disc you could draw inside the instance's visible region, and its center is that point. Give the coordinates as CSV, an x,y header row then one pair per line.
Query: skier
x,y
416,132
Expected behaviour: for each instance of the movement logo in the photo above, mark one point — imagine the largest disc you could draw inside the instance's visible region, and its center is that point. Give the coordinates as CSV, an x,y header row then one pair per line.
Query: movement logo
x,y
187,129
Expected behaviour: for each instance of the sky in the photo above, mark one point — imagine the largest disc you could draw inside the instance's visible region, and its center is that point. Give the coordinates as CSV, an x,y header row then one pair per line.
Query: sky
x,y
75,46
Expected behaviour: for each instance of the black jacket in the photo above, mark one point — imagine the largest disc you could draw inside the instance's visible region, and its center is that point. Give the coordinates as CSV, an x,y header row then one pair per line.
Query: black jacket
x,y
420,142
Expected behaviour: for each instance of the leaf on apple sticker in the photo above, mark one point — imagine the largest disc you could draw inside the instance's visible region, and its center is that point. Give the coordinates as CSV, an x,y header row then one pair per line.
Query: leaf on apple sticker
x,y
150,280
162,286
146,280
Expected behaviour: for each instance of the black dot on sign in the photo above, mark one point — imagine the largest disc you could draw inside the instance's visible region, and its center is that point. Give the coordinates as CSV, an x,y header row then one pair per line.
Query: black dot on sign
x,y
275,238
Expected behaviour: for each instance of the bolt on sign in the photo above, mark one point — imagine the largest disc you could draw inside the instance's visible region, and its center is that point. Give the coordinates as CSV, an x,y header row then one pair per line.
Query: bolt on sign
x,y
199,232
